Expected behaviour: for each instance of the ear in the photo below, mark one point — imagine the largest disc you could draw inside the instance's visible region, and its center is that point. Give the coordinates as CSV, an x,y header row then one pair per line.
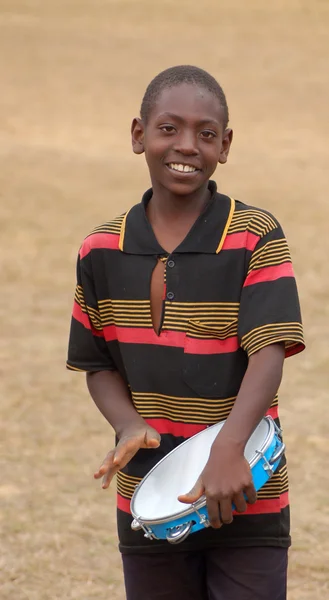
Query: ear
x,y
226,144
137,136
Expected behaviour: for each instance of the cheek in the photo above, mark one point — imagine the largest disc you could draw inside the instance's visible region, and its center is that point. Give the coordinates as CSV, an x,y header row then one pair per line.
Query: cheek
x,y
155,150
211,156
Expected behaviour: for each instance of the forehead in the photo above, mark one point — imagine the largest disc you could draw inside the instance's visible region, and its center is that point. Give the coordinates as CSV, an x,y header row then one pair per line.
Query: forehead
x,y
187,101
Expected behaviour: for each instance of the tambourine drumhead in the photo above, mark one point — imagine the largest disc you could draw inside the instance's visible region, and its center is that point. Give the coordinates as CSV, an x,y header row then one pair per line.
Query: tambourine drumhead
x,y
177,473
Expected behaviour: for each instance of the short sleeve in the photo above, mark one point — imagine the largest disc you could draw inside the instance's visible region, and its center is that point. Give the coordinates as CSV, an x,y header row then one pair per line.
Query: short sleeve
x,y
269,307
87,349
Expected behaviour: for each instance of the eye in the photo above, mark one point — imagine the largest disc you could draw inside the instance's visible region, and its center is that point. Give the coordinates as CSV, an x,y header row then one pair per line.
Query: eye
x,y
167,128
207,134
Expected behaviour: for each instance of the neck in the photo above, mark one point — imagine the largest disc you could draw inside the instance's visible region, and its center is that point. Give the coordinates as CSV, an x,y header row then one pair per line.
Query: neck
x,y
168,206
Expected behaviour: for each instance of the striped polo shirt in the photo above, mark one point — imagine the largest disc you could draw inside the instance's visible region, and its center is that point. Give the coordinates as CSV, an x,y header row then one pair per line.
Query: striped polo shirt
x,y
229,291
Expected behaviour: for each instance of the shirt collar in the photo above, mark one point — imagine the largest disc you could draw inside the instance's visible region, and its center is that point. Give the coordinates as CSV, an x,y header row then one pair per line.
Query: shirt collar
x,y
206,236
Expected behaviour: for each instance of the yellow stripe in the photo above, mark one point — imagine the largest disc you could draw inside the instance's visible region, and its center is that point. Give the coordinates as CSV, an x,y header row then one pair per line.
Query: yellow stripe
x,y
128,318
253,221
210,336
272,257
258,337
265,262
195,305
293,336
271,245
113,226
183,399
119,310
107,229
270,252
126,477
128,302
211,316
291,325
204,310
275,340
228,223
126,484
170,323
122,316
74,368
192,306
188,418
122,231
197,409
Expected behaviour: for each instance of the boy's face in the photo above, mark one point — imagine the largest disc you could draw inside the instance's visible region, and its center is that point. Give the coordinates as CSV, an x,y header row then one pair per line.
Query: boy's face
x,y
183,139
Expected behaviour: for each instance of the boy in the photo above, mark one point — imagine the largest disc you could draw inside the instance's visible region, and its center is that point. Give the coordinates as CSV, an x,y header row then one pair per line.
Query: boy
x,y
185,309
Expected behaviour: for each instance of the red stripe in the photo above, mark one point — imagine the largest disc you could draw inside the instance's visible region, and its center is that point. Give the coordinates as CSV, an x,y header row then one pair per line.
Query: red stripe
x,y
284,500
299,347
177,339
261,507
197,346
142,335
185,430
83,318
269,274
123,504
273,412
246,240
99,240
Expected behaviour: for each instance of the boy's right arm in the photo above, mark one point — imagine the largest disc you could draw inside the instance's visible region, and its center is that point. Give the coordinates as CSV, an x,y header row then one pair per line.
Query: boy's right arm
x,y
112,398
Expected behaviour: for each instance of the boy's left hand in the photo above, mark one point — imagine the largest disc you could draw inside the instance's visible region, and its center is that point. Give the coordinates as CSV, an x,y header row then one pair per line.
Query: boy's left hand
x,y
225,480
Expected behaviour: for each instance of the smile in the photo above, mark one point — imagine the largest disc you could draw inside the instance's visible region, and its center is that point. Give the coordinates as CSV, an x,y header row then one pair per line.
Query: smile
x,y
182,168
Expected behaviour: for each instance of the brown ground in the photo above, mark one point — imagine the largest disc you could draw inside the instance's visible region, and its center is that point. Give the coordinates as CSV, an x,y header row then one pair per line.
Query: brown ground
x,y
72,74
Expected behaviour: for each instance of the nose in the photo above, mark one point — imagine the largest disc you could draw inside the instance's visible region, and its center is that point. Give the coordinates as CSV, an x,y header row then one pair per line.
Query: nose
x,y
186,143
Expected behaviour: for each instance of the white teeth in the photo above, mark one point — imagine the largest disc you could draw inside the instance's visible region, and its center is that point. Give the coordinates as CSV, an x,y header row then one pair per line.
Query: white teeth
x,y
182,168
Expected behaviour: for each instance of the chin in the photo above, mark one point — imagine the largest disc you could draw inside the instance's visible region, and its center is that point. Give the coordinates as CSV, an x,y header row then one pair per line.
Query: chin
x,y
184,188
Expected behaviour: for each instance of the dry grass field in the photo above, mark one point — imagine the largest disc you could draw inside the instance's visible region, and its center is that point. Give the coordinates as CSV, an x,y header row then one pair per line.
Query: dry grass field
x,y
72,74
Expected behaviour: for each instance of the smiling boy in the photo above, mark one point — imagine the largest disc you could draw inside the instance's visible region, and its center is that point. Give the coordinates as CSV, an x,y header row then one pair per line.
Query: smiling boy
x,y
185,309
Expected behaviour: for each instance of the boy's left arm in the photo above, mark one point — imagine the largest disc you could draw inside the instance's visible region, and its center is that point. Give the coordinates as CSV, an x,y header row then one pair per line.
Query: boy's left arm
x,y
226,478
269,330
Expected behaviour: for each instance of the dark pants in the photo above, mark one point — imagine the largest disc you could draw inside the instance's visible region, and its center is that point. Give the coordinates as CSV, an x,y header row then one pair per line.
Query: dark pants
x,y
215,574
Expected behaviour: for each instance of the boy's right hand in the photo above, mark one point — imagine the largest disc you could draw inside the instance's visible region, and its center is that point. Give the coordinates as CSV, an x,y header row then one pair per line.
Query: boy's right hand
x,y
131,440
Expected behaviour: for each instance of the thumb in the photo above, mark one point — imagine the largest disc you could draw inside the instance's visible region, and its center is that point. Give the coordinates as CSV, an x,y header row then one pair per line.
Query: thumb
x,y
152,438
194,494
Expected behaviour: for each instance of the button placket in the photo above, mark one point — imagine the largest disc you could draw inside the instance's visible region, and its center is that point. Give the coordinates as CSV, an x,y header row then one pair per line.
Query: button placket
x,y
170,265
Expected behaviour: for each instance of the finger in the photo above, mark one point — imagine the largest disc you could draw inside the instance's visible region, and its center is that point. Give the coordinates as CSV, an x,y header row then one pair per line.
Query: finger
x,y
250,493
125,450
240,503
194,494
116,467
213,513
105,466
152,438
109,476
225,507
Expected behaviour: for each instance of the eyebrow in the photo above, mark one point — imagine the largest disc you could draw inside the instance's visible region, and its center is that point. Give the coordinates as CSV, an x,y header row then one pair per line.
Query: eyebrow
x,y
182,120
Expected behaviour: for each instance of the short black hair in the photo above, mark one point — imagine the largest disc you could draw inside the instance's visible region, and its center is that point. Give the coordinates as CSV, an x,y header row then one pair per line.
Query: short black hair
x,y
175,76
